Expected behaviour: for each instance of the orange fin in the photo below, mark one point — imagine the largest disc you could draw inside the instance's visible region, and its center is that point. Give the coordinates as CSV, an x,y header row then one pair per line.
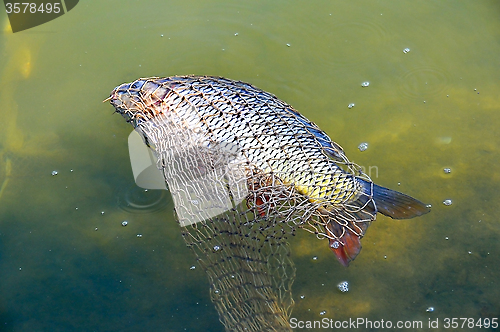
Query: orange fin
x,y
259,203
347,251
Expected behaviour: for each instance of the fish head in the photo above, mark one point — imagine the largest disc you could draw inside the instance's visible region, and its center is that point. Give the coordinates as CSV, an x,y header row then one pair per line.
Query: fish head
x,y
140,100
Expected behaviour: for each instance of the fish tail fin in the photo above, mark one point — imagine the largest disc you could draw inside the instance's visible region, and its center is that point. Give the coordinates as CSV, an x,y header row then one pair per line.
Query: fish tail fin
x,y
393,203
347,225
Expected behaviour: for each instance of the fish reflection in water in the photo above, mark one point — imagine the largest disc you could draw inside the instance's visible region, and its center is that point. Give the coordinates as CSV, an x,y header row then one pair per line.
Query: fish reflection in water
x,y
245,171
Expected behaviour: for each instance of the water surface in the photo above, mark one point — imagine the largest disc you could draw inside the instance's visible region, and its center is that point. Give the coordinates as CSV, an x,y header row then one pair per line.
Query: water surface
x,y
67,266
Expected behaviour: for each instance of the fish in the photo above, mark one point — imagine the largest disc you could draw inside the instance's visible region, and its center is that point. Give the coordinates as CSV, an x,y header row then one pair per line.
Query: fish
x,y
280,147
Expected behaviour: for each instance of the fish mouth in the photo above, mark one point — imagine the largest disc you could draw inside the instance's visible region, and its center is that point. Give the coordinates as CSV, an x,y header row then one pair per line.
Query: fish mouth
x,y
126,97
140,100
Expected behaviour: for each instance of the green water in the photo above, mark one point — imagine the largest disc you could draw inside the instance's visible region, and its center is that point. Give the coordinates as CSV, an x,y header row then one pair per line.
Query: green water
x,y
65,266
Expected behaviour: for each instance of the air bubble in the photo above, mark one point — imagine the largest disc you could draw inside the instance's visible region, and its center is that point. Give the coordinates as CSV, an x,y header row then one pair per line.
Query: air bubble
x,y
54,173
365,84
216,248
406,50
139,235
302,297
192,267
363,146
124,223
351,105
447,202
335,244
447,170
323,313
444,140
430,309
315,258
343,286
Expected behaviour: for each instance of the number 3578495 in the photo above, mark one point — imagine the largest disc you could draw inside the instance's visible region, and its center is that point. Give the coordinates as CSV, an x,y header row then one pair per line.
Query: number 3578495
x,y
464,323
32,8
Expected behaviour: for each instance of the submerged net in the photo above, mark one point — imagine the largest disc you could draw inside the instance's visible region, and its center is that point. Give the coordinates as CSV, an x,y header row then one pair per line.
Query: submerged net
x,y
236,220
243,250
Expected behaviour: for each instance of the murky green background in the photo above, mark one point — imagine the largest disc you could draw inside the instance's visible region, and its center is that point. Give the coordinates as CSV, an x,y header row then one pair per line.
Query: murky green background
x,y
65,266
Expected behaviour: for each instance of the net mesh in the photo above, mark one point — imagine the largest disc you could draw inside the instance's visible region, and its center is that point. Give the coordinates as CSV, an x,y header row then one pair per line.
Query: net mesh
x,y
243,250
237,219
245,171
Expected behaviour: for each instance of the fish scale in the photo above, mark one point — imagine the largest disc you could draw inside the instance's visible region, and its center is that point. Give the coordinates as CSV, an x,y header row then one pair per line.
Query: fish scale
x,y
290,130
276,141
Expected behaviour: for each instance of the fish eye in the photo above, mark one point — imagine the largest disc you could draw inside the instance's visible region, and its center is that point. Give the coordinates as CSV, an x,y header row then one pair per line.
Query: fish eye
x,y
137,84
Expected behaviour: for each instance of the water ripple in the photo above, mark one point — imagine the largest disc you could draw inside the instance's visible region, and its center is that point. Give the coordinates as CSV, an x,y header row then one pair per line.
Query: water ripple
x,y
138,200
349,43
423,82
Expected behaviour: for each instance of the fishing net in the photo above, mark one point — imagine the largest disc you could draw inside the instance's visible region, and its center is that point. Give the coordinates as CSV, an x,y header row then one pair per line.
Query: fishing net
x,y
237,219
243,250
245,171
